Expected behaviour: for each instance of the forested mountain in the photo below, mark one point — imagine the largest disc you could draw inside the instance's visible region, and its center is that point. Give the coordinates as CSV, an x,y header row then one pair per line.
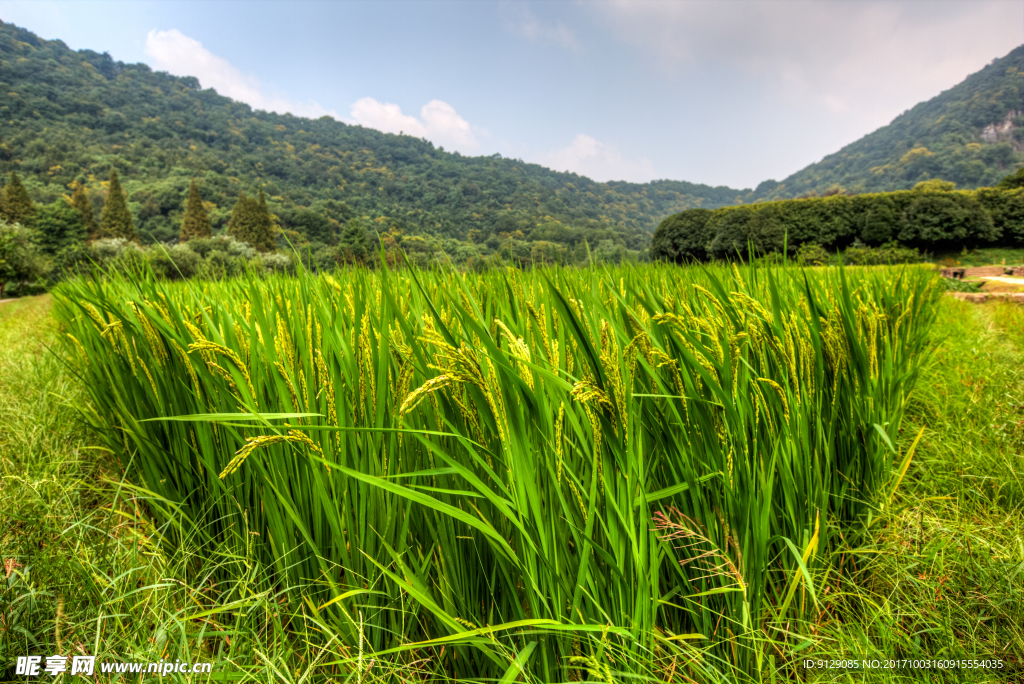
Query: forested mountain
x,y
66,117
971,134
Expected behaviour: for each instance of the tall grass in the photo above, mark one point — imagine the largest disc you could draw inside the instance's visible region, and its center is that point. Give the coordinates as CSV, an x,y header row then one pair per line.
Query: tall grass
x,y
534,476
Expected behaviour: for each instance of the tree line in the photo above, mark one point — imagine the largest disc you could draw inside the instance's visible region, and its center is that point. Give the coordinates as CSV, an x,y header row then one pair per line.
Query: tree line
x,y
933,216
36,241
42,242
71,220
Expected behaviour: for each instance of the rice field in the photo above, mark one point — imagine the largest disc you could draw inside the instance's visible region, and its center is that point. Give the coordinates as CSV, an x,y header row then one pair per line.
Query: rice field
x,y
556,475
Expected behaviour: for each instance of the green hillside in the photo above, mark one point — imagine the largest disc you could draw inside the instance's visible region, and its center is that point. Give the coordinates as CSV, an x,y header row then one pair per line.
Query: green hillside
x,y
971,134
68,116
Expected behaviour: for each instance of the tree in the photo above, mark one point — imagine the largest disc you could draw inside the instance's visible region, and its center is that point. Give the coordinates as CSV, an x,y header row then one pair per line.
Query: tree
x,y
15,204
115,219
265,230
544,252
555,231
581,255
732,230
935,185
877,218
196,223
313,225
251,222
59,226
241,225
812,254
1007,210
80,201
20,260
1013,181
610,251
354,243
683,236
945,219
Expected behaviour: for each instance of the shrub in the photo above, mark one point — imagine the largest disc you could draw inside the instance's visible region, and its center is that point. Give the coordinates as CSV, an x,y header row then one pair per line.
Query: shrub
x,y
108,249
319,257
70,261
219,265
957,285
175,263
20,258
812,254
772,259
275,262
222,243
889,253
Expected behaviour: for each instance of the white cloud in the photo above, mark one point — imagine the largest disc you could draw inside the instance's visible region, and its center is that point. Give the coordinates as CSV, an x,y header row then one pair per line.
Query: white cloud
x,y
520,20
386,117
588,157
438,122
863,60
444,123
174,52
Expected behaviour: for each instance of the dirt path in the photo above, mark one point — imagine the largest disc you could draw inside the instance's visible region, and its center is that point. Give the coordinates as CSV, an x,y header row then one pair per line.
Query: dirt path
x,y
1005,279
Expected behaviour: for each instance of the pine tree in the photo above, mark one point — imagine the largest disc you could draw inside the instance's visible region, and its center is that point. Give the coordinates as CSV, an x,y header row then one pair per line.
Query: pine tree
x,y
251,222
264,234
240,225
196,223
15,204
115,219
80,201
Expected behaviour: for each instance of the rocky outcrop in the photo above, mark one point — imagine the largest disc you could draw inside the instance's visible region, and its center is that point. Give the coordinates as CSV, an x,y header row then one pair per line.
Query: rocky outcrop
x,y
1001,131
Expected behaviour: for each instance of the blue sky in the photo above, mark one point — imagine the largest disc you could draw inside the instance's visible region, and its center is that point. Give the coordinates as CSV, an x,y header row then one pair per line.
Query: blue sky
x,y
726,93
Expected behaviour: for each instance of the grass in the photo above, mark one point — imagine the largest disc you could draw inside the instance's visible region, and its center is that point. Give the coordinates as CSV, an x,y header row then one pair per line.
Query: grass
x,y
1002,286
930,576
84,568
957,285
536,474
942,572
982,256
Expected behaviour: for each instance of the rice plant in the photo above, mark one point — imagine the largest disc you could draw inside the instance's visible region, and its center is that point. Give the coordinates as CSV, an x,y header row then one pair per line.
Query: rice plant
x,y
546,476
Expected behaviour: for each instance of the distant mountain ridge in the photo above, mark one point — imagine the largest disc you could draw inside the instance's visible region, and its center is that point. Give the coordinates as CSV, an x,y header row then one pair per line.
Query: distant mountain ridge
x,y
971,134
